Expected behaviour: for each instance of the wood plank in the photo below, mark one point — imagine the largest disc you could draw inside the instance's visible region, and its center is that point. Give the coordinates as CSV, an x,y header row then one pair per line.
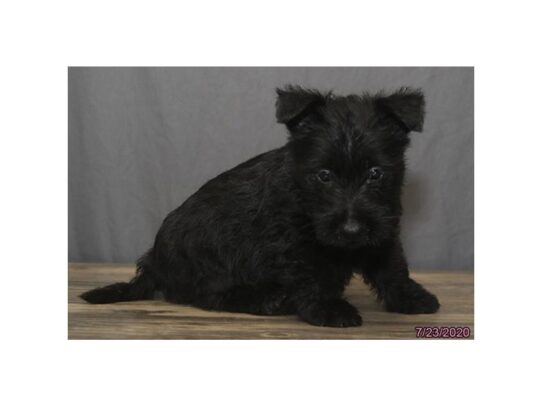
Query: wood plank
x,y
161,320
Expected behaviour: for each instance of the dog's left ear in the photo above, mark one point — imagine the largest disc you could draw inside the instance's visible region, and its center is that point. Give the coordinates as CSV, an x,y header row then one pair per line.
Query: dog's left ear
x,y
295,103
406,105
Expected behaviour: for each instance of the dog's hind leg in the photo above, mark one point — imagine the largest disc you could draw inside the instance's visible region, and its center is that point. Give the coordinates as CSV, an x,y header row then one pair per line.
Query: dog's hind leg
x,y
262,299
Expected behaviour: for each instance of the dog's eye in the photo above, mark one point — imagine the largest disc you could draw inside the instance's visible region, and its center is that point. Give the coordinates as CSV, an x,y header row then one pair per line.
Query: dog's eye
x,y
324,176
375,173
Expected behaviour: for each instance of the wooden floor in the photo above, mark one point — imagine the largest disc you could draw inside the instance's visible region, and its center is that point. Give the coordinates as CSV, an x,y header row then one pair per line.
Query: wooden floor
x,y
161,320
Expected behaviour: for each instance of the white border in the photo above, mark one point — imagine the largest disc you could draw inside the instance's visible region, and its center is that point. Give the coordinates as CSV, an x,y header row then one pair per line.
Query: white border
x,y
39,41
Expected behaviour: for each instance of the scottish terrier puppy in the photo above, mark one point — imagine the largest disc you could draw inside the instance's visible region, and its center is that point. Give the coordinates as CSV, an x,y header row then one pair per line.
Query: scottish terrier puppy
x,y
283,232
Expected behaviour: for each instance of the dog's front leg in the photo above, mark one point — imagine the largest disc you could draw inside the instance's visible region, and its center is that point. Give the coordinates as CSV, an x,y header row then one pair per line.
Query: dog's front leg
x,y
387,271
319,302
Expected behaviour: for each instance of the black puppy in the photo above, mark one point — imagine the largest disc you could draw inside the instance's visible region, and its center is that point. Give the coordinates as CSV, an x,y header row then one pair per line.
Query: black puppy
x,y
283,232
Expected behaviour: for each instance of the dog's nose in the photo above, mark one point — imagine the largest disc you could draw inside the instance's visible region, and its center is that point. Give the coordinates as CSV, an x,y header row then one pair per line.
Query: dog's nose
x,y
351,227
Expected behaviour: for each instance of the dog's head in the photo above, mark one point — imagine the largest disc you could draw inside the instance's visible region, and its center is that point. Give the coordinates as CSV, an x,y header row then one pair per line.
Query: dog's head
x,y
348,157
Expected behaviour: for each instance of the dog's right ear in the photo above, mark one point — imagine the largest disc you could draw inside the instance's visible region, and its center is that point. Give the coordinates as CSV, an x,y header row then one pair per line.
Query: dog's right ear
x,y
294,103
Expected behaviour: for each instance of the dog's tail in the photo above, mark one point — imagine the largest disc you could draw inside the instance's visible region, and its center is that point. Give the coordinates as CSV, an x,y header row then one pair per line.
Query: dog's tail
x,y
141,287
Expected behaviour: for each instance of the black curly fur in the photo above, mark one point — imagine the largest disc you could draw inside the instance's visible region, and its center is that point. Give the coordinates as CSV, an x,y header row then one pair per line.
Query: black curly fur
x,y
277,235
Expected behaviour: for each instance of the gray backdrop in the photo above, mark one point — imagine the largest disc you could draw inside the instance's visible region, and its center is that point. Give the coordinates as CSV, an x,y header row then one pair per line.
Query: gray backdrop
x,y
141,140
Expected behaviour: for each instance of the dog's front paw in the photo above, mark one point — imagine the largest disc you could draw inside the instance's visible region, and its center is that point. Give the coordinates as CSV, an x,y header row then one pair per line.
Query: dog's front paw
x,y
334,313
275,303
411,298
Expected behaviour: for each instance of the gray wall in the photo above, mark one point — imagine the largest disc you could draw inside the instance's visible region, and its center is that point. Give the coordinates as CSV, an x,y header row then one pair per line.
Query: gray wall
x,y
141,140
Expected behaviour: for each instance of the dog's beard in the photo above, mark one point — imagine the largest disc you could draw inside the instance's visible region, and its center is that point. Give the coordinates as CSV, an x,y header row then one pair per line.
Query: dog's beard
x,y
373,231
